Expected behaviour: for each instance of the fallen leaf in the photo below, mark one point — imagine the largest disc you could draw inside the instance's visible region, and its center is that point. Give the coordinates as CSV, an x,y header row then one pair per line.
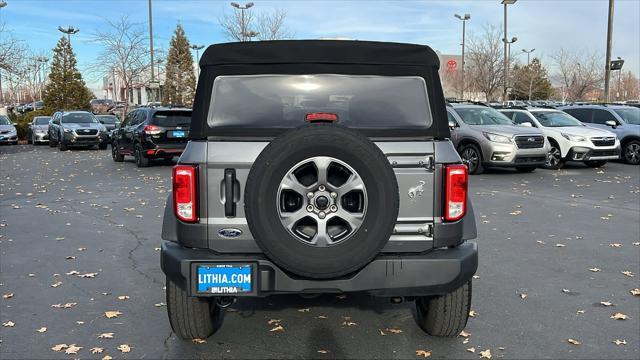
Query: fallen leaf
x,y
566,291
472,313
627,273
73,272
88,275
485,354
635,292
112,314
42,329
80,322
382,333
617,245
278,328
199,341
394,330
595,269
124,348
73,349
64,306
159,304
56,284
423,353
7,296
8,323
105,336
107,357
59,347
97,350
321,317
579,312
304,310
523,296
606,303
471,350
464,334
619,316
540,242
274,321
515,213
620,342
322,351
560,245
573,342
123,297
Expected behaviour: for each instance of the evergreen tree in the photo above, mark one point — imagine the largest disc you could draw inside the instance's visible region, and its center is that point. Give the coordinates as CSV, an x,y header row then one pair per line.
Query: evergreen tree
x,y
180,80
65,89
534,77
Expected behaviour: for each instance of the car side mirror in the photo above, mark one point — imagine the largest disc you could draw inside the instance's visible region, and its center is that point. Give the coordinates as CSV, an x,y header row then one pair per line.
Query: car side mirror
x,y
526,124
452,125
611,123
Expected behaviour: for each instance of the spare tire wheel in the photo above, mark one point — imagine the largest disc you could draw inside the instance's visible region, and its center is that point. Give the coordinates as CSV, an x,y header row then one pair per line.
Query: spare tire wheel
x,y
321,201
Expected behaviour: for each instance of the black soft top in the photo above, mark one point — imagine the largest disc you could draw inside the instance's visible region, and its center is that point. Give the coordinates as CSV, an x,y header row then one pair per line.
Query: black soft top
x,y
320,52
303,57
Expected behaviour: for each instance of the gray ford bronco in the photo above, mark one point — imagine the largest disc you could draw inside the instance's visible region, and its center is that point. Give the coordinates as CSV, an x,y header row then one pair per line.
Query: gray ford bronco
x,y
318,167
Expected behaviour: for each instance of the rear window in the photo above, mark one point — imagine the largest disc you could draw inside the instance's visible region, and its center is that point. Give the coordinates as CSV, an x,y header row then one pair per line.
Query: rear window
x,y
285,101
171,118
42,120
108,119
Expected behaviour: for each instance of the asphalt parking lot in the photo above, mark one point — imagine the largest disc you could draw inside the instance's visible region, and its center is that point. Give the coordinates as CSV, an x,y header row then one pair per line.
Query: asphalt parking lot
x,y
79,230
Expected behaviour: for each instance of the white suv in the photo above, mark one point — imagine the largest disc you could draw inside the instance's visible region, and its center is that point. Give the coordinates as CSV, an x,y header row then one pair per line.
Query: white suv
x,y
570,139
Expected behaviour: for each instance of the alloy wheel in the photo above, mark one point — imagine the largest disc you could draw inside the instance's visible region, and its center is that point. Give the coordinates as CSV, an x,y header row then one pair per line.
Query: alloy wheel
x,y
470,158
632,153
322,201
553,158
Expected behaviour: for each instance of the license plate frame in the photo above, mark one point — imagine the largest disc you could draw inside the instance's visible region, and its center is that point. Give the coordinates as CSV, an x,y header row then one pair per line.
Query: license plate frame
x,y
227,268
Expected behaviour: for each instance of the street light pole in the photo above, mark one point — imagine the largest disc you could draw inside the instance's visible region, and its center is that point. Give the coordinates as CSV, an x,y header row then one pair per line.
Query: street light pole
x,y
464,21
607,72
151,50
197,48
504,39
243,29
2,4
529,70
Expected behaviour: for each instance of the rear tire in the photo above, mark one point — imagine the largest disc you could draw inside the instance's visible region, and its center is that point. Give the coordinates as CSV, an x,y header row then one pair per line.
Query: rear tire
x,y
141,161
444,315
525,169
192,317
631,152
554,158
595,163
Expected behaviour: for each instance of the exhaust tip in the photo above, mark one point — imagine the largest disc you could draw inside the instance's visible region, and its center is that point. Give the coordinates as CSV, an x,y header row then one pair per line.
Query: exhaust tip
x,y
225,301
397,300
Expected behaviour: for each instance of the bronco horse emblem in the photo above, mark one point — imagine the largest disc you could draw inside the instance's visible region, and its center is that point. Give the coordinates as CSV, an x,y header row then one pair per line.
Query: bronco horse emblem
x,y
416,191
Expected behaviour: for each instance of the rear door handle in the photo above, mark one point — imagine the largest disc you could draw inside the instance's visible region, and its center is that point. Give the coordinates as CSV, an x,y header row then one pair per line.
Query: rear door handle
x,y
229,198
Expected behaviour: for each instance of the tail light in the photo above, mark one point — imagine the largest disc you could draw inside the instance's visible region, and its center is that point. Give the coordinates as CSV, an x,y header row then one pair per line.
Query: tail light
x,y
185,200
455,203
152,130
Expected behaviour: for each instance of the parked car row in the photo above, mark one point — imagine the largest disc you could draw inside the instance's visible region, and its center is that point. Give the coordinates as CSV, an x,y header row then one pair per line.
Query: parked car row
x,y
526,138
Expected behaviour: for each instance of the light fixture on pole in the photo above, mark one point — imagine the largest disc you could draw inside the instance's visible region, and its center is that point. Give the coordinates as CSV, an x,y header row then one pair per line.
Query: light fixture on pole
x,y
242,8
528,52
464,19
504,39
197,48
251,34
70,30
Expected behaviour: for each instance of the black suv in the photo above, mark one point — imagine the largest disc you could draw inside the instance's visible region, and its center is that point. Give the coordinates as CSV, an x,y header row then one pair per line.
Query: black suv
x,y
151,133
319,167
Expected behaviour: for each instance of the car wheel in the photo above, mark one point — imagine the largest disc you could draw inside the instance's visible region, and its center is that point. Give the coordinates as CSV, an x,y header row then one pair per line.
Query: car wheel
x,y
595,163
115,153
192,317
525,169
323,208
631,152
472,157
141,161
444,315
554,158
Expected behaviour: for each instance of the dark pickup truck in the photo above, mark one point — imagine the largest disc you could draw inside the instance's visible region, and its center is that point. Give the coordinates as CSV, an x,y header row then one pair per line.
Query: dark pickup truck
x,y
319,167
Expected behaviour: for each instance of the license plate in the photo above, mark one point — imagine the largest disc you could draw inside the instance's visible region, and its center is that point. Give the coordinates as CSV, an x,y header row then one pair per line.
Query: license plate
x,y
179,134
225,278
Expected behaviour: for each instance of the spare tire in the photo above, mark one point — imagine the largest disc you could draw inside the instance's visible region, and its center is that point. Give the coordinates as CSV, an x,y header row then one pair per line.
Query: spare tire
x,y
321,201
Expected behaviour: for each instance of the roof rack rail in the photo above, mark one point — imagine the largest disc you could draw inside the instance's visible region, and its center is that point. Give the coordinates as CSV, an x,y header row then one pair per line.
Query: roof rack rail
x,y
513,107
463,101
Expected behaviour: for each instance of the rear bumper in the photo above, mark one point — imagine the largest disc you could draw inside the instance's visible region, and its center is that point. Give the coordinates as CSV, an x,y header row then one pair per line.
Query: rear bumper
x,y
434,273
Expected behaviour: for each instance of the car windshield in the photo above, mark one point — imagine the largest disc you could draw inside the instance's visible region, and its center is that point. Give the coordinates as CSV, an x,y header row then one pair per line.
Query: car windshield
x,y
287,101
171,118
555,119
108,119
630,115
42,120
4,120
78,118
482,116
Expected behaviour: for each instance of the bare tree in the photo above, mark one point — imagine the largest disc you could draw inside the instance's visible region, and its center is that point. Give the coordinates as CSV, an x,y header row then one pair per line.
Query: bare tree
x,y
627,86
579,73
484,60
124,53
240,24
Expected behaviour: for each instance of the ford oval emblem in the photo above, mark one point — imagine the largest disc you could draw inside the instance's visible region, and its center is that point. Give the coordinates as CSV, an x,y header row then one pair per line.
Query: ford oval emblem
x,y
229,233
